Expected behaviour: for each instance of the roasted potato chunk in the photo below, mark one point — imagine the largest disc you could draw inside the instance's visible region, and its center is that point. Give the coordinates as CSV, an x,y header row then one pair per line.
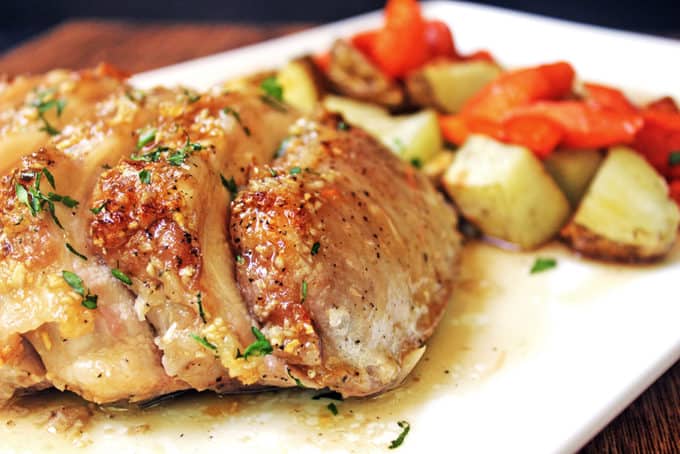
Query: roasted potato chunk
x,y
446,86
352,74
505,191
415,138
303,85
626,214
573,171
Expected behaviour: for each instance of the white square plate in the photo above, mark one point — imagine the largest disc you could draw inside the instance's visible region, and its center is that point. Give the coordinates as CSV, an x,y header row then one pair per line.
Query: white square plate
x,y
521,363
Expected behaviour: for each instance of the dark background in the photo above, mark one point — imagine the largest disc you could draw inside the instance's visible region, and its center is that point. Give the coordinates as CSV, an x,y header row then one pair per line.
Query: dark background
x,y
20,20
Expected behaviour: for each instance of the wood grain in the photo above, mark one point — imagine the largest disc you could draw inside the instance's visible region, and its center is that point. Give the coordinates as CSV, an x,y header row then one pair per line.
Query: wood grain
x,y
650,425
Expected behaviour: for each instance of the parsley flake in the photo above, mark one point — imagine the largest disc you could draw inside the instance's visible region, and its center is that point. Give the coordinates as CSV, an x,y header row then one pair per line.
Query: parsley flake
x,y
303,291
204,342
237,117
342,126
297,381
192,97
272,88
405,428
73,251
417,163
76,283
178,157
240,260
542,264
230,185
145,176
152,156
146,138
260,347
98,209
118,274
199,302
37,201
43,104
332,408
315,248
295,170
674,158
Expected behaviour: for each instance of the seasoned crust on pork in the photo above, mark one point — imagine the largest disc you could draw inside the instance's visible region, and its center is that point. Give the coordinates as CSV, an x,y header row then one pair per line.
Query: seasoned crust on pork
x,y
347,278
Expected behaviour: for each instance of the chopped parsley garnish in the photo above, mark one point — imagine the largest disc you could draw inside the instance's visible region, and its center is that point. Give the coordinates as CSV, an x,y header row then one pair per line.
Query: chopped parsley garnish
x,y
152,156
297,381
237,117
542,264
230,185
417,163
333,395
199,302
118,274
192,97
272,172
178,157
43,104
98,209
315,248
405,428
273,103
260,347
674,158
136,96
146,138
37,201
145,176
332,408
295,170
240,260
49,177
342,126
272,88
90,301
203,341
73,251
303,291
76,283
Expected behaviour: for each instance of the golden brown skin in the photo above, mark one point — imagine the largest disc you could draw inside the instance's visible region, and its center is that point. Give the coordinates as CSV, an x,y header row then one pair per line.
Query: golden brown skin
x,y
346,277
168,233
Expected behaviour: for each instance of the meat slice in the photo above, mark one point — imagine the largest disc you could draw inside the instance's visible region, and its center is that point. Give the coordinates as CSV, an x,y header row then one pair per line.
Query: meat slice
x,y
162,224
36,109
347,258
97,353
95,348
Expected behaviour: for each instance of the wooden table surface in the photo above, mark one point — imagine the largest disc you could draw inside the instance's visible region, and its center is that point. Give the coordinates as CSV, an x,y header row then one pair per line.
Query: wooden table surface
x,y
650,425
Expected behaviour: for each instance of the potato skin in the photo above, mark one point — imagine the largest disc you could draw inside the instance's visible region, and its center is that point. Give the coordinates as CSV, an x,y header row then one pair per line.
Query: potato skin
x,y
593,245
626,214
352,74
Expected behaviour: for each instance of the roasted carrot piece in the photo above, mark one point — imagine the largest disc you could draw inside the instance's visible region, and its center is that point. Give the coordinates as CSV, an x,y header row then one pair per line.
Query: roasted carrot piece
x,y
536,132
440,40
365,42
665,104
401,46
659,139
675,190
608,98
454,129
585,125
520,88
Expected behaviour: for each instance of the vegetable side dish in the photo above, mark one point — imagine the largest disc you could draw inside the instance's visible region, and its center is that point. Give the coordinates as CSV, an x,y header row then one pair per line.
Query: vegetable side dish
x,y
527,155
